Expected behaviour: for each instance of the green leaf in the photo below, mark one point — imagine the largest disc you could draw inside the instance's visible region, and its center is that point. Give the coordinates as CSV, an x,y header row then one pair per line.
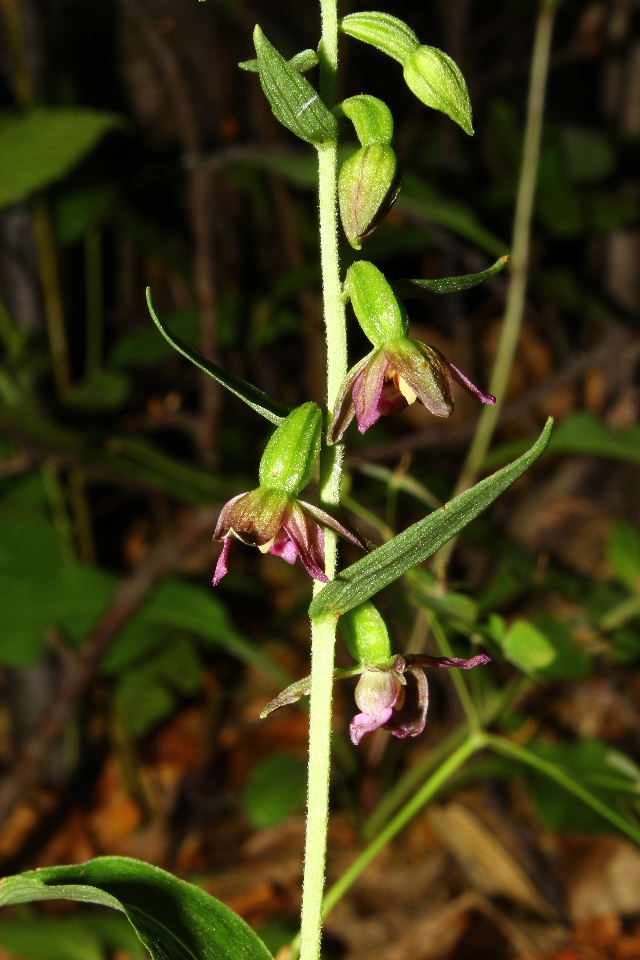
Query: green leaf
x,y
173,919
293,100
276,790
623,552
594,764
104,390
382,31
303,61
387,563
437,81
371,118
260,402
93,936
527,647
408,288
582,432
43,144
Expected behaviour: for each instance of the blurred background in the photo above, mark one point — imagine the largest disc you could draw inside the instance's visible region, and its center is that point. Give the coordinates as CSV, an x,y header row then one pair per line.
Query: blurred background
x,y
134,152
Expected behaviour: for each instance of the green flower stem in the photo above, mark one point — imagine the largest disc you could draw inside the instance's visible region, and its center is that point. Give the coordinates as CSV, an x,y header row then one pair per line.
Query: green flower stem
x,y
419,800
323,628
516,752
514,309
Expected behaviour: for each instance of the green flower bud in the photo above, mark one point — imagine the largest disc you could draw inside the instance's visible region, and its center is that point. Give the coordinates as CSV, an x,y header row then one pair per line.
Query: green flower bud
x,y
367,188
290,456
375,304
365,635
437,80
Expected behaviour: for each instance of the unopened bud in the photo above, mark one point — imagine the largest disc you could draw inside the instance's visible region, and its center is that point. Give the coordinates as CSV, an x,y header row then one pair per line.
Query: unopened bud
x,y
367,188
437,80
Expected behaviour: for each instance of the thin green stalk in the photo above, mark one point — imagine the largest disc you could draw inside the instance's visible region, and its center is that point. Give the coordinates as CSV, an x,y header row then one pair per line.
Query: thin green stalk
x,y
617,616
515,752
514,309
419,800
323,628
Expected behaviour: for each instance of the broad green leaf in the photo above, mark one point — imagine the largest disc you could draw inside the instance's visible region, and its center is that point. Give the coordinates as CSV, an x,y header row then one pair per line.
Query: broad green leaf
x,y
173,919
293,100
382,31
623,551
43,144
413,288
527,647
277,789
260,402
387,563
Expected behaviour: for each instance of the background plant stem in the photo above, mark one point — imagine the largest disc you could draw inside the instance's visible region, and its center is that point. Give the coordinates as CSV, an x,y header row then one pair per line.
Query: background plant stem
x,y
420,799
323,628
514,309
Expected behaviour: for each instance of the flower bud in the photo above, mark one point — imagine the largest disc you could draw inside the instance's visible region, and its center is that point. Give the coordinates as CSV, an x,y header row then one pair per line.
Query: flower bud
x,y
367,188
437,81
365,635
375,304
290,456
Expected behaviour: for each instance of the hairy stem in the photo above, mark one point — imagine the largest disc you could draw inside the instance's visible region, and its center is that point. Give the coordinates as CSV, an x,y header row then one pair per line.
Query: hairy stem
x,y
323,628
514,309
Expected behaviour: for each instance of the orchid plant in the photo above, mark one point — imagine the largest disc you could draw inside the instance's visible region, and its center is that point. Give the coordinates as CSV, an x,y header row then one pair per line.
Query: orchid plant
x,y
174,919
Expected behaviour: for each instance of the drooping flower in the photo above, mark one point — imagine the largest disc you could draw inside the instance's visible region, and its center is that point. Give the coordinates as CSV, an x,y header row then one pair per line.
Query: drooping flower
x,y
271,517
276,522
397,698
394,697
396,374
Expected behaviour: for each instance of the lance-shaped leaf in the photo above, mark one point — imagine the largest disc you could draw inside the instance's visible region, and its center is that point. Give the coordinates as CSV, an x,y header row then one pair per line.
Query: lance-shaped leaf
x,y
413,288
173,919
302,62
387,563
292,98
261,402
382,31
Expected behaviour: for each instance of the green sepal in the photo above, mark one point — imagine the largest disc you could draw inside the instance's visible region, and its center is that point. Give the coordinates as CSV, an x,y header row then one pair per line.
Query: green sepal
x,y
437,81
389,562
293,100
365,635
367,187
413,288
371,118
290,456
303,61
374,303
261,402
382,31
173,919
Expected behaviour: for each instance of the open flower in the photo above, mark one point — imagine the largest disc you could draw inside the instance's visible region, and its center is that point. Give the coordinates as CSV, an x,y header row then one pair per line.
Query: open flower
x,y
394,696
276,522
395,374
397,698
